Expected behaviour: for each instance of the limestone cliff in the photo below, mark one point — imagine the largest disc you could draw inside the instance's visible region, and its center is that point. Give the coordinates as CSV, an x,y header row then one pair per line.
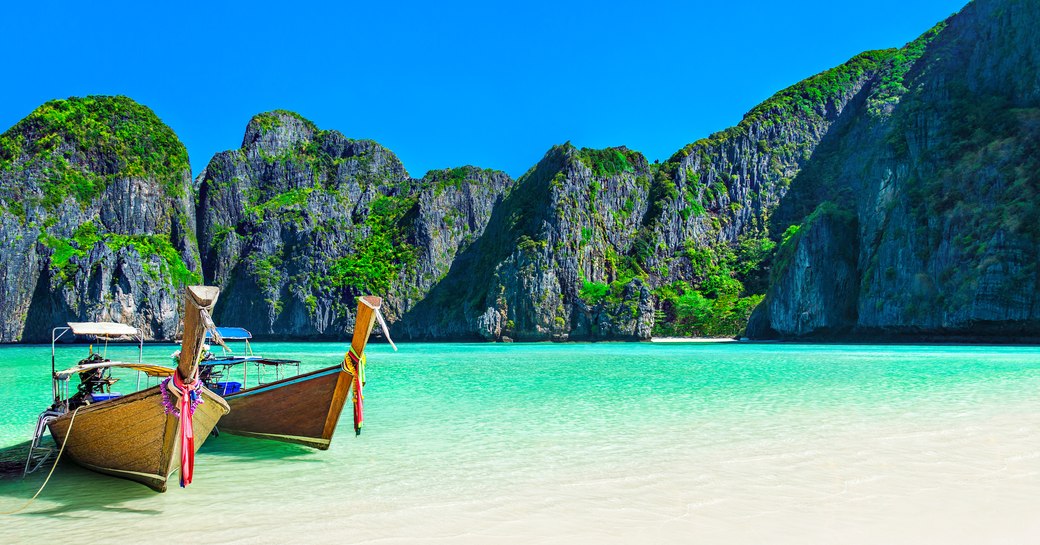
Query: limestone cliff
x,y
896,194
939,165
97,220
815,270
549,265
706,242
299,221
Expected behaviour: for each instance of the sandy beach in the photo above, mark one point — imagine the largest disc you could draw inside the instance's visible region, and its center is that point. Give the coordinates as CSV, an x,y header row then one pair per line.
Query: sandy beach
x,y
693,340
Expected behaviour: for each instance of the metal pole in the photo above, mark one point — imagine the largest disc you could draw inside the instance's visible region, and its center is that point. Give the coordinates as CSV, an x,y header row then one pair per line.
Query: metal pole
x,y
54,371
140,357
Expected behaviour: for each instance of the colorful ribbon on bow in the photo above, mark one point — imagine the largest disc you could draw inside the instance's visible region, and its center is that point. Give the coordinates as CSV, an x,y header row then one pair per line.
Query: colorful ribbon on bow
x,y
358,370
189,399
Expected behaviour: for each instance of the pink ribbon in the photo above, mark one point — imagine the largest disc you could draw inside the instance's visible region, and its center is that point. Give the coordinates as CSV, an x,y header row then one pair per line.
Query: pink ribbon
x,y
185,409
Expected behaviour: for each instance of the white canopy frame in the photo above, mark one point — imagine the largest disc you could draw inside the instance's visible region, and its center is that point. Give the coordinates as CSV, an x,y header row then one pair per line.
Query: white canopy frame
x,y
100,330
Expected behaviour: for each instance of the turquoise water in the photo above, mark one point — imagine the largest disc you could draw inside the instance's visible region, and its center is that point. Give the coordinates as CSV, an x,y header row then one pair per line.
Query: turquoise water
x,y
581,443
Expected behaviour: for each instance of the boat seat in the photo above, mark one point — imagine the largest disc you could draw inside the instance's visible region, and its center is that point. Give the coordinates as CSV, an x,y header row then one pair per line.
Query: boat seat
x,y
226,388
98,396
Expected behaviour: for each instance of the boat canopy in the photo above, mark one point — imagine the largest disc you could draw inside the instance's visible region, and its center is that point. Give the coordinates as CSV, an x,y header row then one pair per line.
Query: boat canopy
x,y
230,333
148,369
104,329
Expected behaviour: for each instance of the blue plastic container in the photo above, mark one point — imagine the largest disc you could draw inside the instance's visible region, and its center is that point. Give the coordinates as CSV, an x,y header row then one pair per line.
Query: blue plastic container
x,y
227,388
97,397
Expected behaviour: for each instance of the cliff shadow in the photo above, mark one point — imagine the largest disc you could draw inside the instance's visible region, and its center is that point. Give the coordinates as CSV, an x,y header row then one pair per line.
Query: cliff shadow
x,y
822,176
47,310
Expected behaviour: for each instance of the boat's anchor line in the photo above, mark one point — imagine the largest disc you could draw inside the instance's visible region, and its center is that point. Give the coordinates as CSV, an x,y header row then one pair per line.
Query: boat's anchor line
x,y
129,436
51,472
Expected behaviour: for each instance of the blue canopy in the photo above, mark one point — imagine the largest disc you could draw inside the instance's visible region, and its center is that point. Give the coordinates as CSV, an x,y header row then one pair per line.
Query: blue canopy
x,y
231,333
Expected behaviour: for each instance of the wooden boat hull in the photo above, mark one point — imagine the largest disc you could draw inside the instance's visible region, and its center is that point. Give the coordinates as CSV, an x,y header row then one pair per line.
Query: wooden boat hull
x,y
303,409
132,437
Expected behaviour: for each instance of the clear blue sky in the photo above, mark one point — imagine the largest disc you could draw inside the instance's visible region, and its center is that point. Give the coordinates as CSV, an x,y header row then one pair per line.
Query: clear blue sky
x,y
445,83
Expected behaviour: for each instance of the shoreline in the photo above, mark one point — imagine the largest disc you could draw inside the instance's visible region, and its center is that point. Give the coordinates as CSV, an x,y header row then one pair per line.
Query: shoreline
x,y
694,340
924,340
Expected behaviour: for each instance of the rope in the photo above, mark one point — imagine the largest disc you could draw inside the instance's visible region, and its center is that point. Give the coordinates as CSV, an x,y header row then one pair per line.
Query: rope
x,y
386,330
354,363
206,323
190,398
351,359
51,472
211,328
357,368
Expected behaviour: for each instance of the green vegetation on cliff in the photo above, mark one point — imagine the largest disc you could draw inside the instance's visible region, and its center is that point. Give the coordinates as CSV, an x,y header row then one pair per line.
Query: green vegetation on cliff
x,y
726,270
71,253
727,283
317,219
269,121
812,96
891,84
808,98
695,305
98,188
940,165
827,210
608,162
81,144
381,253
976,183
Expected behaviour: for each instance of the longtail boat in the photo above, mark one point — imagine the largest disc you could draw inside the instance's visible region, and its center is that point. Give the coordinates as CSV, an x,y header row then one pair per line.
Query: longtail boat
x,y
305,409
215,369
147,435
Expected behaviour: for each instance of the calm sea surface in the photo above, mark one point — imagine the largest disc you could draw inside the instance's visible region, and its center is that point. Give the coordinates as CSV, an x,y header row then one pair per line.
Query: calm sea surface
x,y
591,443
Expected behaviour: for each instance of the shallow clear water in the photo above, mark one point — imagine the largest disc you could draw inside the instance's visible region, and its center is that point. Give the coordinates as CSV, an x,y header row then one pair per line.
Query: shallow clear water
x,y
564,443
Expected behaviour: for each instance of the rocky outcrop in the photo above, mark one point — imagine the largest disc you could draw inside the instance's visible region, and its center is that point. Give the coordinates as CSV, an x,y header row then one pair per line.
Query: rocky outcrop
x,y
299,221
706,242
279,215
939,165
894,194
724,187
816,272
549,265
98,222
453,208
